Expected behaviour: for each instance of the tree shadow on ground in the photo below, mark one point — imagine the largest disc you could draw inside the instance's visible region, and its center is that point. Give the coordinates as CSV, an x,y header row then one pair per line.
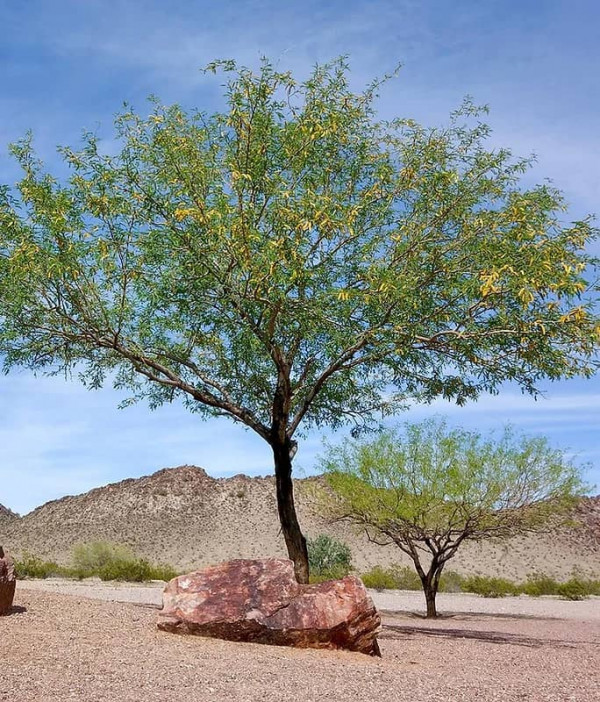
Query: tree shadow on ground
x,y
467,616
391,631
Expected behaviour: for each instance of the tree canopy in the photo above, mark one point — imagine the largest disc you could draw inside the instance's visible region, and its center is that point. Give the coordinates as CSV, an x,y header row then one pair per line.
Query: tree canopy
x,y
293,260
430,488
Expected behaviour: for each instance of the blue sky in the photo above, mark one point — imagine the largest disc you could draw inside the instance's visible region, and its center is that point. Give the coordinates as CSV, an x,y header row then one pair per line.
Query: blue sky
x,y
68,66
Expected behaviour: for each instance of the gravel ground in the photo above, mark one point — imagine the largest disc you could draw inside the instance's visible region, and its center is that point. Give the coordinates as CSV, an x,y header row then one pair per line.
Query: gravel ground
x,y
57,647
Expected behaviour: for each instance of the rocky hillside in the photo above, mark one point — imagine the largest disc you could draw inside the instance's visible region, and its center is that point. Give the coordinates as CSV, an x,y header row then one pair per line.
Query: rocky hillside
x,y
184,517
6,515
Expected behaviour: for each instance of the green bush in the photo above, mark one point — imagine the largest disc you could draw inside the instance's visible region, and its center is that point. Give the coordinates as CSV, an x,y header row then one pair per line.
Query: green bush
x,y
30,566
100,559
395,577
406,578
379,578
489,587
589,585
92,557
110,561
538,584
73,573
328,558
136,570
162,571
130,570
573,590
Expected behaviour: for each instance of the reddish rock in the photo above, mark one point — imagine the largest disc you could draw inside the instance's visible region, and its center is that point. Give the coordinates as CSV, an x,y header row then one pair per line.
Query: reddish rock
x,y
260,601
8,581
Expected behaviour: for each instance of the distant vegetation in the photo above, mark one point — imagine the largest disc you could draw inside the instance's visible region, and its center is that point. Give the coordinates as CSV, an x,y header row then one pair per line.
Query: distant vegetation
x,y
330,559
578,587
101,559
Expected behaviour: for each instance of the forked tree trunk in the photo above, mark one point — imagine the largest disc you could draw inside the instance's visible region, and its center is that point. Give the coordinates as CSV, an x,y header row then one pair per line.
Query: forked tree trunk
x,y
294,539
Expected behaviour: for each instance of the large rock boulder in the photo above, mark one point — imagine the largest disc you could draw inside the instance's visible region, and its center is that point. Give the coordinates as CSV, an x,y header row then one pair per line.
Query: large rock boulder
x,y
8,582
260,601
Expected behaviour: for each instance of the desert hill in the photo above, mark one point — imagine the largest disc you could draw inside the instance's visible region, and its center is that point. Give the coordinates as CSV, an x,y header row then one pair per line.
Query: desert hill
x,y
6,515
183,517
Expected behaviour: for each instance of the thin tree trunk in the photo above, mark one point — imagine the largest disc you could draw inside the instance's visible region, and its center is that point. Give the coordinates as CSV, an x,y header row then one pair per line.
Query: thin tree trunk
x,y
294,539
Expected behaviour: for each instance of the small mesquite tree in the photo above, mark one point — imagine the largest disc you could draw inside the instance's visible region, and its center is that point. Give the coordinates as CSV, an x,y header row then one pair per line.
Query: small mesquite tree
x,y
292,261
432,488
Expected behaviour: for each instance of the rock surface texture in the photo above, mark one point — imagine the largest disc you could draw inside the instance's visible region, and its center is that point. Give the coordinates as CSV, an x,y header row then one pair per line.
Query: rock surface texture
x,y
8,582
260,601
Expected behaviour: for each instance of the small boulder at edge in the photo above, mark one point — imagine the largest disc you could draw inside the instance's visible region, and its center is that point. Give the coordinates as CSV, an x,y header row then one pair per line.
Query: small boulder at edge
x,y
260,601
8,582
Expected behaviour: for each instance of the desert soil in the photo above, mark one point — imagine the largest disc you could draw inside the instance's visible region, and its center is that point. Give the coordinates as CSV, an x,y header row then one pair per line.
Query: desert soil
x,y
56,646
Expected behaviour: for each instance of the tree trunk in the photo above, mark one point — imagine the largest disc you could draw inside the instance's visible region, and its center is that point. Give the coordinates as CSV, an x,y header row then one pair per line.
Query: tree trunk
x,y
431,583
294,539
430,594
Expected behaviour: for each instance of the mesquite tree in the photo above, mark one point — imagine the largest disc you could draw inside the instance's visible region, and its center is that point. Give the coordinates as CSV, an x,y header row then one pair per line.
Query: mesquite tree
x,y
292,261
431,488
